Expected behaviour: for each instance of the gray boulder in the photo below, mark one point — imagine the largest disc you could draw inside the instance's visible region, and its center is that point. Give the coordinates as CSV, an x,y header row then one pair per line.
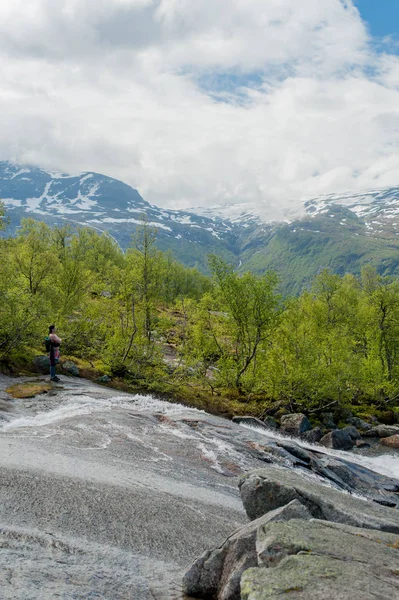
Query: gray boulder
x,y
217,574
42,363
337,439
313,436
382,431
315,560
266,489
352,431
295,424
69,367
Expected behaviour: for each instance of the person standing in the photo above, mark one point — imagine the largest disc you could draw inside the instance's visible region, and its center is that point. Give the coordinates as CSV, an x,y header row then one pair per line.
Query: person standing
x,y
55,343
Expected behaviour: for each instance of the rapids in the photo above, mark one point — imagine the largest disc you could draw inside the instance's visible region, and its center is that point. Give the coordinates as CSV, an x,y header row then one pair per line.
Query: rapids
x,y
110,495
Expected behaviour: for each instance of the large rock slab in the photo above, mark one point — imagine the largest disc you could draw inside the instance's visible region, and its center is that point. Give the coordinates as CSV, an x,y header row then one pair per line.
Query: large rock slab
x,y
266,489
317,560
217,573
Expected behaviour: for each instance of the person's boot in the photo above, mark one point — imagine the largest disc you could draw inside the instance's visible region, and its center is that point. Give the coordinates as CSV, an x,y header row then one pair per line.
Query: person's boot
x,y
55,378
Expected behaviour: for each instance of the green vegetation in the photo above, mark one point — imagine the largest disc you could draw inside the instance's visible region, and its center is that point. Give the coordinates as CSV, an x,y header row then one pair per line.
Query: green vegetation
x,y
228,343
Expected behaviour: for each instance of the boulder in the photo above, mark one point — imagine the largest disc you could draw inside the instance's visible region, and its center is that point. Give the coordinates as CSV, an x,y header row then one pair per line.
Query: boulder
x,y
295,424
217,574
104,379
391,442
313,436
266,489
69,367
42,363
313,560
359,424
352,431
337,439
382,431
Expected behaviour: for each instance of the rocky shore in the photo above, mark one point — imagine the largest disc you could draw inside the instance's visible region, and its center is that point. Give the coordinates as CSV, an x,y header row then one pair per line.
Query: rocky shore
x,y
305,539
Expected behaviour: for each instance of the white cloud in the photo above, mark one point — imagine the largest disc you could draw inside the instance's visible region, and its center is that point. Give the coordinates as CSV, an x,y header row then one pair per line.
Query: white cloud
x,y
204,102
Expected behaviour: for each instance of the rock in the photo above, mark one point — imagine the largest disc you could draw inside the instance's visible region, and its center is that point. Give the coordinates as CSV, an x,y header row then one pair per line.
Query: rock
x,y
327,419
249,420
104,379
362,444
337,439
314,559
359,424
270,422
296,451
352,431
266,489
217,574
295,424
334,471
382,431
42,363
391,442
69,367
313,436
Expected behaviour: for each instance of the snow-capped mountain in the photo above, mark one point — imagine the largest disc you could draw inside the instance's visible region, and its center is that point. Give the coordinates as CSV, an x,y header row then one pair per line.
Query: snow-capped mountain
x,y
378,209
341,232
110,205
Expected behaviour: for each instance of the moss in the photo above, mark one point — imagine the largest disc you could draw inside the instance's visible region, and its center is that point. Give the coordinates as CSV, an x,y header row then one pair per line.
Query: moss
x,y
28,390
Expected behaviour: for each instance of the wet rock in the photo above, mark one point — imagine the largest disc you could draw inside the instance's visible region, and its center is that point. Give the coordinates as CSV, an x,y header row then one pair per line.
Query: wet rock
x,y
337,439
69,367
391,442
313,436
352,431
267,489
316,559
249,420
284,455
296,451
382,431
217,573
295,424
334,471
270,422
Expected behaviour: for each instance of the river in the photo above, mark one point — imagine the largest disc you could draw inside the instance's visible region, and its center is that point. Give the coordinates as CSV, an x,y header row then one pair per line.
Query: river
x,y
110,495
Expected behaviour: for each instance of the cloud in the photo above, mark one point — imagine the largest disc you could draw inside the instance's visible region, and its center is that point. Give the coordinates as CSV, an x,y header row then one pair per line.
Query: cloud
x,y
201,103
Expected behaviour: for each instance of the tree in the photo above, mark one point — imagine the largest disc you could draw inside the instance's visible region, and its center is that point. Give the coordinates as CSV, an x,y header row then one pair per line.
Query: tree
x,y
252,309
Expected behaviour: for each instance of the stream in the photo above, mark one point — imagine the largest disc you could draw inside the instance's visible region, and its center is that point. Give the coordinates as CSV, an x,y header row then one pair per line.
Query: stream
x,y
111,496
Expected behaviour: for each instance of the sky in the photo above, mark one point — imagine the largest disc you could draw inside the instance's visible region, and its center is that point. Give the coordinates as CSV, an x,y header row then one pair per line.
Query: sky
x,y
256,102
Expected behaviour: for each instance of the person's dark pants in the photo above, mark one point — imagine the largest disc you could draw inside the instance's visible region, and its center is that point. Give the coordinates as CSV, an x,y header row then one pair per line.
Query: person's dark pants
x,y
52,371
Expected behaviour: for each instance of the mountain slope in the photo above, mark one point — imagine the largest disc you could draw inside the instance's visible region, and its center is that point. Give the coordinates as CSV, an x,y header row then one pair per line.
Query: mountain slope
x,y
340,232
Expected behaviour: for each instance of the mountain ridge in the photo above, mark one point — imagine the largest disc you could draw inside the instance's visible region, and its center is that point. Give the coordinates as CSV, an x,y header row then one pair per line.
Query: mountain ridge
x,y
342,232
